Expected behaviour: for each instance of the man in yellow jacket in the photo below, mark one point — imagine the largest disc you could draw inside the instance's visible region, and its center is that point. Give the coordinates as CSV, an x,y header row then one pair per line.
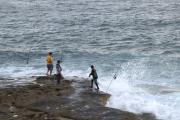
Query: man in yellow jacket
x,y
49,63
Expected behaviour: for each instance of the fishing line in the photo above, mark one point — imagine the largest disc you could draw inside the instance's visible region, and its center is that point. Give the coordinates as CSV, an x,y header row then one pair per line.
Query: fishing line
x,y
114,78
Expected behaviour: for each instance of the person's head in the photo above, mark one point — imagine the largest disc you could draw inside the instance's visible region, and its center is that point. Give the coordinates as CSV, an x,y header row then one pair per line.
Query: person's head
x,y
92,66
58,61
50,53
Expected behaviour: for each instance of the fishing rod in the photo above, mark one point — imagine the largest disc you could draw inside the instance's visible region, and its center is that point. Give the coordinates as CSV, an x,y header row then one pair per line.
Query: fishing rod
x,y
31,49
114,78
28,56
61,56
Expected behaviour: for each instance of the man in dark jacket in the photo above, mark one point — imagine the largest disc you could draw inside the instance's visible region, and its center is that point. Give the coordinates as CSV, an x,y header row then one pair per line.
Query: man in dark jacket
x,y
95,77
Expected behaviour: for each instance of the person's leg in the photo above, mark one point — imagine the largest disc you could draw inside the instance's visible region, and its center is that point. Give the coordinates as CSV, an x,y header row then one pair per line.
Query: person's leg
x,y
50,72
92,83
95,80
47,69
51,69
58,78
62,77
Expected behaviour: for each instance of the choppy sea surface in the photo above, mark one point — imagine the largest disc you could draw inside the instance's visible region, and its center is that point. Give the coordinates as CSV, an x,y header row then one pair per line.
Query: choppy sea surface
x,y
139,40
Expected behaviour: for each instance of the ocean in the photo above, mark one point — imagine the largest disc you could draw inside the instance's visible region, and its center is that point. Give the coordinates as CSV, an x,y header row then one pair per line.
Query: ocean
x,y
138,40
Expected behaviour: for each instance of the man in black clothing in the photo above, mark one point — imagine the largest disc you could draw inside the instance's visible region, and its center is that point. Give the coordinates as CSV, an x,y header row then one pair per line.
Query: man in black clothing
x,y
95,77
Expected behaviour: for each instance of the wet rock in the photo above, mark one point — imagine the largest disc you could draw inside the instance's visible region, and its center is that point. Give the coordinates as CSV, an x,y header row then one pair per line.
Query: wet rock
x,y
70,100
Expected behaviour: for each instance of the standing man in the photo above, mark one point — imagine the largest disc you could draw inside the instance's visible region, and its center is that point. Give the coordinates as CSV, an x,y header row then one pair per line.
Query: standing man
x,y
49,63
95,77
58,72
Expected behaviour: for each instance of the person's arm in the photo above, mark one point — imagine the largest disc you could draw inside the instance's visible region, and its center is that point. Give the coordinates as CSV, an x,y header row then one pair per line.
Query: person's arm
x,y
90,73
47,59
60,68
57,68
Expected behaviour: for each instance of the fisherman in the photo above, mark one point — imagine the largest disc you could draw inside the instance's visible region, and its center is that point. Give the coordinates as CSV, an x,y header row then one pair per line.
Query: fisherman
x,y
58,72
95,77
49,63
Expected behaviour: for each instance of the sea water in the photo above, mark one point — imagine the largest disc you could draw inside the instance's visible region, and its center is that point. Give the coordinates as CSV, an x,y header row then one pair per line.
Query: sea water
x,y
137,40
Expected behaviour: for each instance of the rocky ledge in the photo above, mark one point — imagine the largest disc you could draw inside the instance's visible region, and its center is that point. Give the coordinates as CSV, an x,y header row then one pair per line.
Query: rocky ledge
x,y
71,100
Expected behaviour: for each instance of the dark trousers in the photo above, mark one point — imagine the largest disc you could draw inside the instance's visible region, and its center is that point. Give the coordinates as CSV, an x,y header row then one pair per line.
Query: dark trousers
x,y
95,81
59,77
